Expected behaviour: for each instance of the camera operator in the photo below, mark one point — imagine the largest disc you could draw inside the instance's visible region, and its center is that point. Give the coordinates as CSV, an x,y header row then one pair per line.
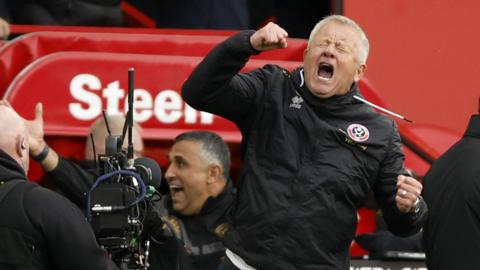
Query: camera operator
x,y
40,229
74,179
198,180
200,194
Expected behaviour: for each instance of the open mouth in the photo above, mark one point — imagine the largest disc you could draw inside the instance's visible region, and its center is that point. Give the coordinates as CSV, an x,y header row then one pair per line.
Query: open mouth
x,y
325,71
174,189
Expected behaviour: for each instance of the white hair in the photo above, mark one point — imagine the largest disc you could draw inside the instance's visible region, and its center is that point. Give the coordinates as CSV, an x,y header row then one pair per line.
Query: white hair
x,y
346,21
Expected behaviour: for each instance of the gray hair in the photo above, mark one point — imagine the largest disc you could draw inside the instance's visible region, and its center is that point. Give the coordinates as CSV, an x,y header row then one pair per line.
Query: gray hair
x,y
346,21
214,149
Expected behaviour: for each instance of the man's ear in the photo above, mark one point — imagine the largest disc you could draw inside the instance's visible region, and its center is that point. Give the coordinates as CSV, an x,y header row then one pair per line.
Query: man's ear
x,y
21,146
360,72
214,173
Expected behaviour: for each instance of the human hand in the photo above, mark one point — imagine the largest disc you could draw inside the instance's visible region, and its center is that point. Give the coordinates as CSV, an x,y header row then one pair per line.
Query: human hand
x,y
35,131
4,29
408,191
269,37
35,128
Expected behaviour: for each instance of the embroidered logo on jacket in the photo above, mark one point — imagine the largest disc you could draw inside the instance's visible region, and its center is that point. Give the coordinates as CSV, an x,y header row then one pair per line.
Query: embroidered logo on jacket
x,y
358,132
352,142
296,100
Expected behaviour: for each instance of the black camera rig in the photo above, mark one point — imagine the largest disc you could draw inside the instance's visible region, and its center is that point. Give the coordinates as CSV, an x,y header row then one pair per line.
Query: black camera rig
x,y
120,197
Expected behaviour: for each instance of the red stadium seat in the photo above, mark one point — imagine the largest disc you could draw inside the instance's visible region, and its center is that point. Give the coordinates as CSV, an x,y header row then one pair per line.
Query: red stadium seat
x,y
22,51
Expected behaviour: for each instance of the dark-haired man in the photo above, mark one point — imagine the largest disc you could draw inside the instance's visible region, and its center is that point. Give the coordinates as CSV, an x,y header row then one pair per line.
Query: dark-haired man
x,y
201,194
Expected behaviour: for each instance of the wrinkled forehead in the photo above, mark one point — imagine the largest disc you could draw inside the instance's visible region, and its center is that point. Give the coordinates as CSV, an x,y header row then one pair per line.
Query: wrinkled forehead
x,y
337,31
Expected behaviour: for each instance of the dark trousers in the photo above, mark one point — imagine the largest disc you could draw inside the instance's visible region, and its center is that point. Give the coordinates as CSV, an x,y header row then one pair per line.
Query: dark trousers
x,y
227,265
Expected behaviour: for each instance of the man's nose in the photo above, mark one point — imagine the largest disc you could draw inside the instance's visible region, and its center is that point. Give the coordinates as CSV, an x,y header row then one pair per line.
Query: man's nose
x,y
169,173
329,51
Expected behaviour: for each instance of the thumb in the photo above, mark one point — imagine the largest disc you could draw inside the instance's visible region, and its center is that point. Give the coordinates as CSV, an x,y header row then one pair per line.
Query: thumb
x,y
39,112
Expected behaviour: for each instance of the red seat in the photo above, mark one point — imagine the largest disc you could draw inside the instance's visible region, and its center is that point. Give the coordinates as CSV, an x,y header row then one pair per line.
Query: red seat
x,y
24,50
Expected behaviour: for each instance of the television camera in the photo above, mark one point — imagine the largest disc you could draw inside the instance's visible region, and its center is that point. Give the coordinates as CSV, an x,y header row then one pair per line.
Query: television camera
x,y
122,195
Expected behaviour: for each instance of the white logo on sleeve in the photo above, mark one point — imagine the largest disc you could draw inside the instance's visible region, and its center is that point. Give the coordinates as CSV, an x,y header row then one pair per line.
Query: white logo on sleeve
x,y
358,132
296,102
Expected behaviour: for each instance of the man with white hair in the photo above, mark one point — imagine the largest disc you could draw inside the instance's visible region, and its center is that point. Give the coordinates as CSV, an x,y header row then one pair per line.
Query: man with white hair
x,y
39,229
313,152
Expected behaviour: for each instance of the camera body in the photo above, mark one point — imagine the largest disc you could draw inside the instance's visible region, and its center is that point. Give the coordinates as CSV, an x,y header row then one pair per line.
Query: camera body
x,y
117,204
111,227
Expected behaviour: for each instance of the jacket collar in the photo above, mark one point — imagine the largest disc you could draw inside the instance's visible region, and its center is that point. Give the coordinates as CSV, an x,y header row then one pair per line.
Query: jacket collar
x,y
9,168
342,106
299,80
212,204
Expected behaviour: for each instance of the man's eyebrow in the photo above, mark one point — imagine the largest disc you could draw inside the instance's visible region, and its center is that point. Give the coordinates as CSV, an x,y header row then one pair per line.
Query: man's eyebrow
x,y
175,157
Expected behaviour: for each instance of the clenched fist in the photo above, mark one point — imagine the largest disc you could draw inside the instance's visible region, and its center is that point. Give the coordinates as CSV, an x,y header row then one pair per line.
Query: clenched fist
x,y
408,191
270,37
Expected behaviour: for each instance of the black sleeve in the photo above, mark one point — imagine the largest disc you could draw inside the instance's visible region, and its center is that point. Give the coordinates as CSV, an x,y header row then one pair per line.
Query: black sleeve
x,y
216,86
399,223
72,180
71,243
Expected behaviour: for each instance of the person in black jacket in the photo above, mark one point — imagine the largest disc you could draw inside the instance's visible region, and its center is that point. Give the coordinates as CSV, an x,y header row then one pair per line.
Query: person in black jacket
x,y
452,190
200,196
312,151
39,228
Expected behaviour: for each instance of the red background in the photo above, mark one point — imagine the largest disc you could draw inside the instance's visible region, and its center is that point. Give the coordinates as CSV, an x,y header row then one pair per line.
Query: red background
x,y
424,57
